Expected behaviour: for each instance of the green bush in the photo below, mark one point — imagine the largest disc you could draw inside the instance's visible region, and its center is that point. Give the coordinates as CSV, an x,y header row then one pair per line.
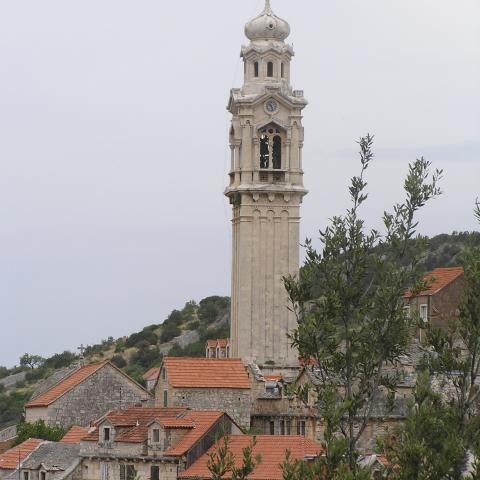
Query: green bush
x,y
169,331
143,336
4,372
146,356
60,360
39,430
37,374
119,361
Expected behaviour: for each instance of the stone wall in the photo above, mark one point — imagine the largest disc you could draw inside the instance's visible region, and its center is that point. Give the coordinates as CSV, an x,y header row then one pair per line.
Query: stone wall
x,y
107,389
235,402
92,469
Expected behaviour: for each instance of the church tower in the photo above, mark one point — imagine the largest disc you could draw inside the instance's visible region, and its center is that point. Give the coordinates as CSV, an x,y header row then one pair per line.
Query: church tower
x,y
265,191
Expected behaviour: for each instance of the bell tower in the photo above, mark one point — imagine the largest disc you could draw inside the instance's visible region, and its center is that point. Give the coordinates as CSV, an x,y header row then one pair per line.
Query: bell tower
x,y
265,191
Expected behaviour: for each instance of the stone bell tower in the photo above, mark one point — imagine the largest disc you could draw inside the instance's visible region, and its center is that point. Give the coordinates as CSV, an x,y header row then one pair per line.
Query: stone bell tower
x,y
265,191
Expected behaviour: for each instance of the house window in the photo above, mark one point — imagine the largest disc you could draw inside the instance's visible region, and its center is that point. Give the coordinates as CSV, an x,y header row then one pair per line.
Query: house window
x,y
289,427
272,427
104,471
25,475
255,69
165,398
156,435
301,427
154,472
127,472
282,427
424,313
270,69
43,475
106,434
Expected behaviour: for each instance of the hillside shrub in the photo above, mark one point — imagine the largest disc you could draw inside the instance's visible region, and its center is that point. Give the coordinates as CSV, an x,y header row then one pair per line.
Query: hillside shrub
x,y
40,430
60,360
144,336
119,361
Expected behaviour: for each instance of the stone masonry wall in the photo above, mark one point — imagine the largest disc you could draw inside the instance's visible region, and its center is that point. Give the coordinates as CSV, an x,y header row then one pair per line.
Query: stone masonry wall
x,y
235,402
107,389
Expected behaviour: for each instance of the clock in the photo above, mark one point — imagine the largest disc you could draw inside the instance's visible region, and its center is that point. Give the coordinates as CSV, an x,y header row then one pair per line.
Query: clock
x,y
271,106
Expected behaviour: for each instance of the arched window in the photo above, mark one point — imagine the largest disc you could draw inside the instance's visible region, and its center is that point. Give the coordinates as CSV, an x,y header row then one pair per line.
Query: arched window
x,y
270,148
264,151
270,69
255,69
277,152
283,70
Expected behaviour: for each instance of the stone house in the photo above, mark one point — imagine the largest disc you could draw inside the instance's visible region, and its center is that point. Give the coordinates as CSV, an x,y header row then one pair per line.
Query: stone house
x,y
219,348
272,449
206,384
84,395
439,302
150,443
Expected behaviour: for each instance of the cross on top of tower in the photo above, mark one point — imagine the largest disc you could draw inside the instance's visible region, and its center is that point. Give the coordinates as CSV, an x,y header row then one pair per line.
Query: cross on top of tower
x,y
82,349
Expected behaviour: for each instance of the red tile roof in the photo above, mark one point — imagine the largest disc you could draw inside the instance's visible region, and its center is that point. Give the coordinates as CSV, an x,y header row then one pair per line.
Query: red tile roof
x,y
206,373
152,374
204,421
212,343
75,434
136,421
9,460
436,280
65,385
272,378
272,449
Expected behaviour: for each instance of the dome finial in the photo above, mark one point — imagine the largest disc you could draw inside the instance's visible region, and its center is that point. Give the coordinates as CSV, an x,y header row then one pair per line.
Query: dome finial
x,y
268,8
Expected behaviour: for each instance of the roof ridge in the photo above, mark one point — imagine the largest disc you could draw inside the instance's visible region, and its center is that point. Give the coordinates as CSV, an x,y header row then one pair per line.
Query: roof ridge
x,y
98,365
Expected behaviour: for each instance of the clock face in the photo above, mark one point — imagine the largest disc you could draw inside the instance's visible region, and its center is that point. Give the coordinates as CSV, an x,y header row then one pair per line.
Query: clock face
x,y
271,106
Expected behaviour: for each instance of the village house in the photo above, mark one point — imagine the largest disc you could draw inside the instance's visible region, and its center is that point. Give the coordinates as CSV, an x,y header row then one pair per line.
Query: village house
x,y
219,348
206,384
150,443
84,395
439,302
273,452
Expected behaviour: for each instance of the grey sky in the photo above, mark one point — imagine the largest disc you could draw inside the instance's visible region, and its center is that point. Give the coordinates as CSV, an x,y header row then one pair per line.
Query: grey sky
x,y
113,142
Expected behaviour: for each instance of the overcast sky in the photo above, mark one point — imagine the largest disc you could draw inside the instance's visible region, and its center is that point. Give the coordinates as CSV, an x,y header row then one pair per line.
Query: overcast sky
x,y
113,144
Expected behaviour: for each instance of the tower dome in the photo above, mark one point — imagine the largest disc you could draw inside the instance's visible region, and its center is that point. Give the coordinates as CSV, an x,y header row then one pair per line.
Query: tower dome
x,y
267,26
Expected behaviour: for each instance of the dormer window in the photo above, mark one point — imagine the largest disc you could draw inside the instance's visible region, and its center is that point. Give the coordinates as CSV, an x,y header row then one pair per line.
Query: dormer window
x,y
255,69
156,435
107,434
270,148
270,69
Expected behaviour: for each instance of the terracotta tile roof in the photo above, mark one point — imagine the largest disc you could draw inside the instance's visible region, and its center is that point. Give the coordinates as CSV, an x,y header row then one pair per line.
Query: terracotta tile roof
x,y
9,459
135,417
65,385
272,449
137,420
437,279
75,434
203,421
206,373
212,343
152,374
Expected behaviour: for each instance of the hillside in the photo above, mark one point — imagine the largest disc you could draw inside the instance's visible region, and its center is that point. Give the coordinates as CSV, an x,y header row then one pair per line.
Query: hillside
x,y
182,333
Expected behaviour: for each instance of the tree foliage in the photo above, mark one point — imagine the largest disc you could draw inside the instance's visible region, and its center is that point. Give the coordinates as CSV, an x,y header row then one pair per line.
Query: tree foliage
x,y
32,361
441,433
351,321
40,430
223,464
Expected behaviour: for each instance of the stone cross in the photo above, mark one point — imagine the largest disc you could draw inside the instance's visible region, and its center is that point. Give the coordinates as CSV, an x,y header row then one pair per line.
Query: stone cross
x,y
82,350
